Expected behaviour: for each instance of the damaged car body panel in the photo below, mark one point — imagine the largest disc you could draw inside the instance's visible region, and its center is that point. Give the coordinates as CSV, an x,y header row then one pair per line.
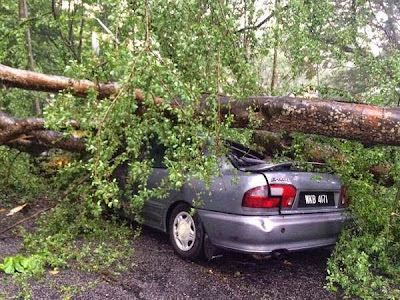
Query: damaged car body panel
x,y
253,207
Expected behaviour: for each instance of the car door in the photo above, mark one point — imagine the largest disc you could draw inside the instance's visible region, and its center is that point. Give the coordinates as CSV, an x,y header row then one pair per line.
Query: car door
x,y
154,208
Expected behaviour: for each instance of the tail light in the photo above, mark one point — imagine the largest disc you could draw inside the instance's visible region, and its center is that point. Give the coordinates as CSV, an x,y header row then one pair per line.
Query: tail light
x,y
344,200
262,197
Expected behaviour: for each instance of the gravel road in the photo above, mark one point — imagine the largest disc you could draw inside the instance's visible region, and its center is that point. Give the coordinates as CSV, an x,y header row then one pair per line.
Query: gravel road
x,y
154,272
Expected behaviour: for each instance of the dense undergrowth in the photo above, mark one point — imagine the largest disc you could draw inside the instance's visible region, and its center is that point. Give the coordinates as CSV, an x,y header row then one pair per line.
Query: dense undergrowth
x,y
365,260
71,234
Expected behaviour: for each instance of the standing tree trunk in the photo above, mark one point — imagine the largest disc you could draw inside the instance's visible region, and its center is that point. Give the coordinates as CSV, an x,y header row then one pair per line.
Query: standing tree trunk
x,y
275,62
23,14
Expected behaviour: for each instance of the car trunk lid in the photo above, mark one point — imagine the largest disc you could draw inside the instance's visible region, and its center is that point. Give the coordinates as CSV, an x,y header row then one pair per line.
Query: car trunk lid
x,y
315,192
316,188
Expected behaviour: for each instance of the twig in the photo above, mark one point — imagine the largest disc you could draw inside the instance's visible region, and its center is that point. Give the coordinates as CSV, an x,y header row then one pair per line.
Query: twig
x,y
256,26
106,29
68,191
11,165
113,103
264,21
147,26
395,207
28,218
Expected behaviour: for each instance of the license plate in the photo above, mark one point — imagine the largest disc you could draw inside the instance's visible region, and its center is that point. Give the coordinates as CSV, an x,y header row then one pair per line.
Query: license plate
x,y
316,199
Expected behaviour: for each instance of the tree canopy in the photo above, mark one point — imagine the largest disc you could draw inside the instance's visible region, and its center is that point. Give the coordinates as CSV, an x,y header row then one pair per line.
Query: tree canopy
x,y
145,67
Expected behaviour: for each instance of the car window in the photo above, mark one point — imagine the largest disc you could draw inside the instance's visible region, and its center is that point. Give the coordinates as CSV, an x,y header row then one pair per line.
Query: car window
x,y
157,153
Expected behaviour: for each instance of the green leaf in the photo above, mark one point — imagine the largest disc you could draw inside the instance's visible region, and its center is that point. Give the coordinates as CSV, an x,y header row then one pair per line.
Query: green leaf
x,y
18,267
9,265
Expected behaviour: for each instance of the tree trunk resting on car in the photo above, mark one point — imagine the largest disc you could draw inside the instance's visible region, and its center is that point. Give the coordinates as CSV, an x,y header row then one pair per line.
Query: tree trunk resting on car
x,y
354,121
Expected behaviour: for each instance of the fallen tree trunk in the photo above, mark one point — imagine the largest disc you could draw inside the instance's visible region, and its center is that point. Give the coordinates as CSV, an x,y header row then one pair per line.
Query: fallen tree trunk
x,y
366,123
354,121
30,135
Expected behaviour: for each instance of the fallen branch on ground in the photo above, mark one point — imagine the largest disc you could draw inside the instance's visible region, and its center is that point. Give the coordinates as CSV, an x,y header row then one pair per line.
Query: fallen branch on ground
x,y
68,191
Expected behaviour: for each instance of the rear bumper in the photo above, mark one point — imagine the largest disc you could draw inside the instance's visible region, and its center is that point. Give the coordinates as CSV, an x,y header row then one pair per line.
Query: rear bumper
x,y
264,234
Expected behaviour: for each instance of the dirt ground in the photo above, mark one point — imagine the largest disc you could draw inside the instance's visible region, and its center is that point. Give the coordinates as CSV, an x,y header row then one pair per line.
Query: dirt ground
x,y
155,272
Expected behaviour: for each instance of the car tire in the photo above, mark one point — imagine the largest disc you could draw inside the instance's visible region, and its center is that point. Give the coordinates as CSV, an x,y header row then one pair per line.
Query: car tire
x,y
186,232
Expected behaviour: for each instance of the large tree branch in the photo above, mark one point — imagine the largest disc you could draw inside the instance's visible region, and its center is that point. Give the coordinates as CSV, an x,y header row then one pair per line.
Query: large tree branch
x,y
30,135
366,123
29,80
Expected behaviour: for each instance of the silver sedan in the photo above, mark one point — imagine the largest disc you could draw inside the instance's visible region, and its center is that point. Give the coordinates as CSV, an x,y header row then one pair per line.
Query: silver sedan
x,y
254,207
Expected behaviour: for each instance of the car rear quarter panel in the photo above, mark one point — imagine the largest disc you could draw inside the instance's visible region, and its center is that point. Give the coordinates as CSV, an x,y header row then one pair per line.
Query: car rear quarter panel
x,y
225,192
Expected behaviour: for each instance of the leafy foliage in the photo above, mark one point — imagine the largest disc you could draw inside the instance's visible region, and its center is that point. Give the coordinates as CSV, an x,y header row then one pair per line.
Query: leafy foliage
x,y
365,260
179,50
71,237
21,264
20,176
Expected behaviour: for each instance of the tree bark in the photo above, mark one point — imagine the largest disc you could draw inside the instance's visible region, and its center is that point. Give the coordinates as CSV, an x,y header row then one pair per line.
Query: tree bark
x,y
23,14
29,80
275,59
354,121
30,135
366,123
